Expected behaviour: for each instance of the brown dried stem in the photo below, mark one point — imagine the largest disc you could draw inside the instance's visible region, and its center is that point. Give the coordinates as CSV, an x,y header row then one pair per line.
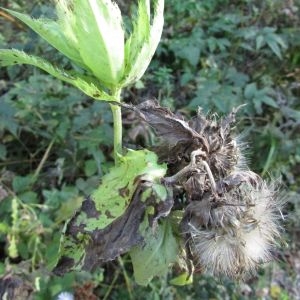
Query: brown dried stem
x,y
194,166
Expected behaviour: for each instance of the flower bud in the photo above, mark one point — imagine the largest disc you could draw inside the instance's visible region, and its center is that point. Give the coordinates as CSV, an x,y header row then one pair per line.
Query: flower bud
x,y
91,34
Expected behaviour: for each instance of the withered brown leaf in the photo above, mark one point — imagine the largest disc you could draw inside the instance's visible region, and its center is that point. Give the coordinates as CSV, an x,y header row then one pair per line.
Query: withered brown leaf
x,y
172,129
115,239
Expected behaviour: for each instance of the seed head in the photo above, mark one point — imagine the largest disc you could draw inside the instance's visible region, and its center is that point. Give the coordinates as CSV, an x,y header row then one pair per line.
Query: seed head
x,y
235,232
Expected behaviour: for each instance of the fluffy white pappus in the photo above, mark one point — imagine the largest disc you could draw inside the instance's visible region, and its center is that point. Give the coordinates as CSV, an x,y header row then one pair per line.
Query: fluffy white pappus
x,y
232,205
242,153
241,234
65,296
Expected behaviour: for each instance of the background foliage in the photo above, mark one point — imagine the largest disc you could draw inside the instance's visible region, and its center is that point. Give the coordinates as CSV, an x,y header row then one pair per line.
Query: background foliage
x,y
56,143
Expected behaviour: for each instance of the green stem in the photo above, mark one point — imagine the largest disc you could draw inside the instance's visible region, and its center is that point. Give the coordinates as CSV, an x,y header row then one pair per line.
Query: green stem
x,y
117,119
270,157
126,277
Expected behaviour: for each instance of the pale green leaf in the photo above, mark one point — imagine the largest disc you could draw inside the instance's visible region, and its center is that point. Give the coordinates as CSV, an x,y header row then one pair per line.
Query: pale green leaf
x,y
250,90
143,48
291,113
257,105
260,41
212,44
100,38
269,101
114,194
67,22
182,279
140,34
274,47
157,254
268,30
279,40
50,31
86,84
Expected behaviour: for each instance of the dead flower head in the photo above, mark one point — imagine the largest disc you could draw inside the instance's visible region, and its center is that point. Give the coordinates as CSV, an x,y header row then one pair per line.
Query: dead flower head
x,y
234,233
231,216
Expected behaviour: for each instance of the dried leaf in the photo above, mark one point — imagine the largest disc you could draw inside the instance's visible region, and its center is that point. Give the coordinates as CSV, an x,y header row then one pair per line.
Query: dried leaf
x,y
13,287
107,224
180,138
171,128
101,244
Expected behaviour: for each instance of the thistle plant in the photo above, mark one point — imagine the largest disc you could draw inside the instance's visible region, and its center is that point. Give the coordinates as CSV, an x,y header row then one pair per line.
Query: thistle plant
x,y
191,200
231,216
91,35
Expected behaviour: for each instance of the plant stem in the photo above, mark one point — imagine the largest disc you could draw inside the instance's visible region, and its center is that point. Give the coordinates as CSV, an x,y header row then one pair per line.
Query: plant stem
x,y
126,277
42,162
117,119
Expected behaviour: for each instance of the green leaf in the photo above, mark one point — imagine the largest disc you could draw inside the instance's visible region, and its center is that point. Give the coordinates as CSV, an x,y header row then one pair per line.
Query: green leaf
x,y
269,101
88,85
29,197
2,269
4,228
291,113
66,21
238,79
117,188
155,256
182,279
212,44
275,48
100,38
260,41
22,183
279,40
141,45
50,31
140,33
191,53
223,43
90,167
250,90
90,33
7,118
257,105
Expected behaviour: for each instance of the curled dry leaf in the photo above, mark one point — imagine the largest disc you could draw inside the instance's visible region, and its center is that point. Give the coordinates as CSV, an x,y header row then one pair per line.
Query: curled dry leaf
x,y
172,129
179,138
